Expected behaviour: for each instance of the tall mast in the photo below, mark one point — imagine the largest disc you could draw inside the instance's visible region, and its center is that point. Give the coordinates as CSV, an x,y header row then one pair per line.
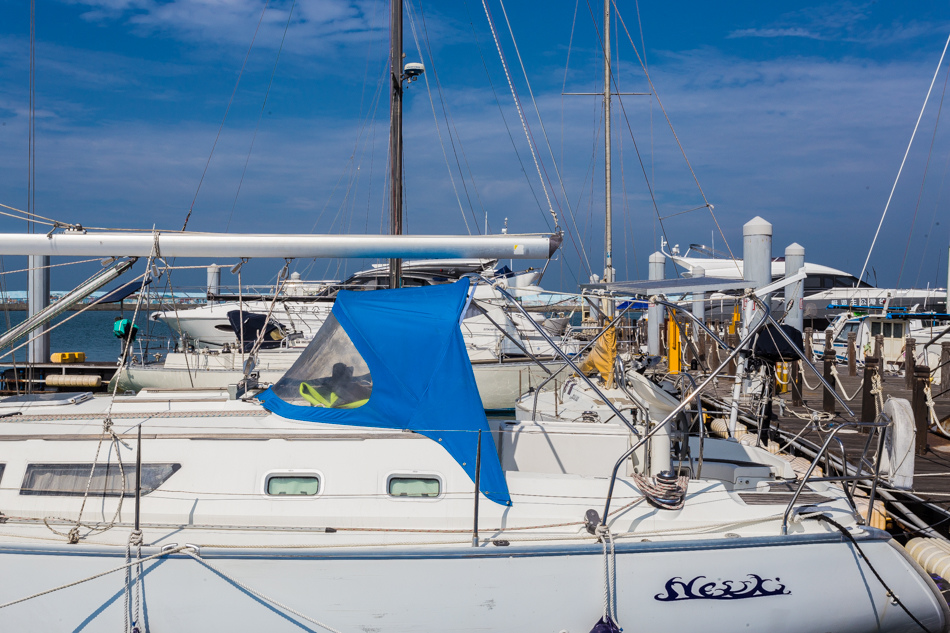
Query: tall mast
x,y
608,238
395,137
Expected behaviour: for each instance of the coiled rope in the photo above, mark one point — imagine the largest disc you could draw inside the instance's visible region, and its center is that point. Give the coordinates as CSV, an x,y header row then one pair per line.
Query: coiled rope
x,y
662,494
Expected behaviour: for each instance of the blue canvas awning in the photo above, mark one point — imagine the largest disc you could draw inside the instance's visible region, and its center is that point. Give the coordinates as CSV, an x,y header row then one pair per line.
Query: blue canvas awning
x,y
125,290
409,370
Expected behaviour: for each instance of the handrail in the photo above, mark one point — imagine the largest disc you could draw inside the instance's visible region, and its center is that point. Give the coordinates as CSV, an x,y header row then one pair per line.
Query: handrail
x,y
679,408
695,319
814,464
559,351
537,390
801,354
509,336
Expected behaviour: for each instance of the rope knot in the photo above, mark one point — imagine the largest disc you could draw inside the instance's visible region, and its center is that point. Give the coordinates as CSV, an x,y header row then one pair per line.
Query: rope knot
x,y
135,538
72,537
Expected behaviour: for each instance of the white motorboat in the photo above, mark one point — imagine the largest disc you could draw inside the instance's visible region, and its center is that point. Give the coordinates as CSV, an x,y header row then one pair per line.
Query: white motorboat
x,y
500,342
928,330
348,502
824,286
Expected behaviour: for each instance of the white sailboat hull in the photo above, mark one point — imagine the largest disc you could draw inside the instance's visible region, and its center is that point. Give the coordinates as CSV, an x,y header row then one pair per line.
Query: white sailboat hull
x,y
499,384
459,588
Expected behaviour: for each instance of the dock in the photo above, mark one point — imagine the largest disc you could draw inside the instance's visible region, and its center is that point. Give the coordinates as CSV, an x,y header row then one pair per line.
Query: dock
x,y
932,461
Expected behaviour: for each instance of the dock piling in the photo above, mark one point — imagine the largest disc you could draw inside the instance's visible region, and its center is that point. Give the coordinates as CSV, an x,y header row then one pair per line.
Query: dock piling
x,y
910,347
828,399
921,378
944,365
852,354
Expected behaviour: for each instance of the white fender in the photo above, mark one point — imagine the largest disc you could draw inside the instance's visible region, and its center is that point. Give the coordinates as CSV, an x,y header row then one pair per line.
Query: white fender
x,y
901,435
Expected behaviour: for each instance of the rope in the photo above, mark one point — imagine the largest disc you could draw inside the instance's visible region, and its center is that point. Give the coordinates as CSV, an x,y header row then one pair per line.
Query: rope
x,y
93,577
135,538
662,494
524,125
257,594
834,372
934,418
610,574
877,390
801,372
72,536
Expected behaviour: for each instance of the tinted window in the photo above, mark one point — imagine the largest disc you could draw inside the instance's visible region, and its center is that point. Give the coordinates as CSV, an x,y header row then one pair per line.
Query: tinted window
x,y
70,480
414,487
300,485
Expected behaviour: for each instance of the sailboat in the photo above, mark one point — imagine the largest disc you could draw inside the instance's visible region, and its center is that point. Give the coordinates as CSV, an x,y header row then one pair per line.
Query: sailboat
x,y
506,352
366,490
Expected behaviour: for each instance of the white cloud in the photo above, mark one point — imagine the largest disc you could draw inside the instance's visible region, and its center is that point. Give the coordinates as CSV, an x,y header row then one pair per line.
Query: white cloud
x,y
315,26
842,22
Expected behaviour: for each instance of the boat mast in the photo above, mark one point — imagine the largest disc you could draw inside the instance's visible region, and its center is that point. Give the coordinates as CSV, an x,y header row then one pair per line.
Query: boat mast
x,y
395,137
608,238
607,305
38,277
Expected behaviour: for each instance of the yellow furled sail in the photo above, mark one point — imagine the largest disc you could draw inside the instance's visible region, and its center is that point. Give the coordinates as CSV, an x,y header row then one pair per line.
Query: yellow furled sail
x,y
601,357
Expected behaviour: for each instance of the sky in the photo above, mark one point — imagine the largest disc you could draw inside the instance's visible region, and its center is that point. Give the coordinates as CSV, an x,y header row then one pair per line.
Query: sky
x,y
272,117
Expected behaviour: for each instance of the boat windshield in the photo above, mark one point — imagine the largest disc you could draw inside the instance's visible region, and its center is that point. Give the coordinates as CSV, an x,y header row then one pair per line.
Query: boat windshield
x,y
330,373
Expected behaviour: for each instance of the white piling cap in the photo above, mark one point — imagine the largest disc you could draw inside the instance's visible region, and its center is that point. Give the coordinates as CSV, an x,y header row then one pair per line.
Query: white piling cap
x,y
757,226
794,249
657,258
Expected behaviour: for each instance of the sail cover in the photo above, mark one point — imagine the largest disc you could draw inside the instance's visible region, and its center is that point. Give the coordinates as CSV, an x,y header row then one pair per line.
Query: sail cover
x,y
396,359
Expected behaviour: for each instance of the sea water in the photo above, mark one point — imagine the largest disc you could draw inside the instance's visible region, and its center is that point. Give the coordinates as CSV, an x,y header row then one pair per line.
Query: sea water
x,y
91,332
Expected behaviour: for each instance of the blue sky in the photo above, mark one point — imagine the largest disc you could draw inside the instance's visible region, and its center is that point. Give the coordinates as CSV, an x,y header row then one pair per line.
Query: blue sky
x,y
800,114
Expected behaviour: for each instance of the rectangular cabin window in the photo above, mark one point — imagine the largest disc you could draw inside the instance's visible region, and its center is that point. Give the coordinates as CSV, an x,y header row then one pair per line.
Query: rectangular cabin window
x,y
888,330
898,330
293,485
875,328
70,480
414,487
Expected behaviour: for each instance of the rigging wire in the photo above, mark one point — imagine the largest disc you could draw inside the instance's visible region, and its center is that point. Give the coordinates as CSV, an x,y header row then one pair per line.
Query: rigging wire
x,y
623,177
531,144
450,119
225,118
261,115
636,147
675,135
933,220
537,111
438,128
518,107
923,180
501,111
903,161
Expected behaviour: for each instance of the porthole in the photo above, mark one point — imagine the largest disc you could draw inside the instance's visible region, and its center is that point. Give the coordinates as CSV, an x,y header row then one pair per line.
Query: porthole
x,y
417,486
293,484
